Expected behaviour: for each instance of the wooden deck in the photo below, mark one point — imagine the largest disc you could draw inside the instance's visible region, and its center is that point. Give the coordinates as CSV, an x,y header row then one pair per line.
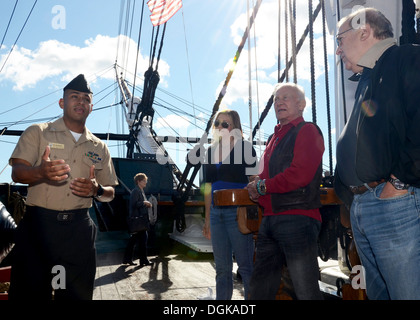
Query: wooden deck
x,y
179,274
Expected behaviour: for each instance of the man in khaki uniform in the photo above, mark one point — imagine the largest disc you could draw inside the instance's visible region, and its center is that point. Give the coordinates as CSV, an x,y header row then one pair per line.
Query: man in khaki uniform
x,y
65,166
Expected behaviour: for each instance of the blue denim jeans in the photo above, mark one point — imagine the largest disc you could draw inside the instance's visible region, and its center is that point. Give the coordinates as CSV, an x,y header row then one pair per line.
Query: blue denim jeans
x,y
227,240
387,237
290,240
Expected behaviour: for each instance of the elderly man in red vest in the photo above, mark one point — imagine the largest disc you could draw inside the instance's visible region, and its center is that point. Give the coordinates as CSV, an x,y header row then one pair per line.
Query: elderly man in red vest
x,y
288,190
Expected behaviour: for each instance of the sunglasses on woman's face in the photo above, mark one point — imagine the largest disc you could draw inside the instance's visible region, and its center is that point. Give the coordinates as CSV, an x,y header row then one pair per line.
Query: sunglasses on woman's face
x,y
224,124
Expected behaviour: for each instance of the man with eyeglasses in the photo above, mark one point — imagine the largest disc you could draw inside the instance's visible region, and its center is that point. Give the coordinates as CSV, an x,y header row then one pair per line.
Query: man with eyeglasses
x,y
65,166
378,154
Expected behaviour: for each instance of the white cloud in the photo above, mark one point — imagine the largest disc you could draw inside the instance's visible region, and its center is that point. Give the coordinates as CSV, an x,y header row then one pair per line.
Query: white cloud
x,y
25,68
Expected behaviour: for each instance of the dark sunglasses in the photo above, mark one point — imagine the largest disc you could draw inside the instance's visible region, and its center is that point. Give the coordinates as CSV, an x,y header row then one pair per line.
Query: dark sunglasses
x,y
224,124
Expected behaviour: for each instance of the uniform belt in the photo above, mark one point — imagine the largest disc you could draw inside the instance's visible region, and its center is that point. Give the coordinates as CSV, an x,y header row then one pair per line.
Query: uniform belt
x,y
61,215
363,188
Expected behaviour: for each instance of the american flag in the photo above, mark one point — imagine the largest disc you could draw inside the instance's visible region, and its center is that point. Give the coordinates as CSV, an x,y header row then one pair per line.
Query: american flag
x,y
163,10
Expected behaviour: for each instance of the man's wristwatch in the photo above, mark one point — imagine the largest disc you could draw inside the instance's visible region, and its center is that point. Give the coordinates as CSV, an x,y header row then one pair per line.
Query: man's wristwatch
x,y
100,192
398,184
263,188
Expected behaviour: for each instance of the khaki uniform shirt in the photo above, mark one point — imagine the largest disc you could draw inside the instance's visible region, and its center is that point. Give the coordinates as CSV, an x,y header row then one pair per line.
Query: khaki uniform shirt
x,y
80,156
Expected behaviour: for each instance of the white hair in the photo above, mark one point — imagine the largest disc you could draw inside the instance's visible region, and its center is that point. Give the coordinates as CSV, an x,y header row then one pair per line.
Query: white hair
x,y
299,89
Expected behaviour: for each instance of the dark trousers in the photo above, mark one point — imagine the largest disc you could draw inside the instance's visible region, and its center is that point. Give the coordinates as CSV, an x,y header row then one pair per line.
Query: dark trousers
x,y
139,238
54,251
286,240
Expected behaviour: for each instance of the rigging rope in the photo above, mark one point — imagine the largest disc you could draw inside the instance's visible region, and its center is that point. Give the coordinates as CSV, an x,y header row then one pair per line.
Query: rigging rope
x,y
327,89
137,55
131,28
257,89
119,29
278,46
189,69
312,60
343,87
408,30
153,48
197,152
286,35
175,109
161,45
292,11
21,30
145,107
38,110
229,75
151,80
249,72
299,46
128,24
8,24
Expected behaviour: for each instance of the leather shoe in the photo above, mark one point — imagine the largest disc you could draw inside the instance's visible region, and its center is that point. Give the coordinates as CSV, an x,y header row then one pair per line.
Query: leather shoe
x,y
145,263
129,262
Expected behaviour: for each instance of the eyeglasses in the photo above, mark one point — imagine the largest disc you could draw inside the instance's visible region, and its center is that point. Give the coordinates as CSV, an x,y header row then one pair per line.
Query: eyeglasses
x,y
224,124
339,39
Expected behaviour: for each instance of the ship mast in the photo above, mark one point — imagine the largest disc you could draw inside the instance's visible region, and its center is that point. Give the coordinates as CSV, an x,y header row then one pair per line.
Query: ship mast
x,y
142,136
144,141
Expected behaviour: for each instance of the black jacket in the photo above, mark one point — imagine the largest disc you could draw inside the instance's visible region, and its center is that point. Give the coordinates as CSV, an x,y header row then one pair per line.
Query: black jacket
x,y
137,206
389,139
388,135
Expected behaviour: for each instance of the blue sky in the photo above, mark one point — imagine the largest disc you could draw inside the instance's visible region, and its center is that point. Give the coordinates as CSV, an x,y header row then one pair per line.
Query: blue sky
x,y
65,38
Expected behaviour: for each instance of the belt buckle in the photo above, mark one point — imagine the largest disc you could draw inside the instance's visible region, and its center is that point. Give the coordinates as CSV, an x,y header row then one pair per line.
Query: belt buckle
x,y
354,189
64,216
358,189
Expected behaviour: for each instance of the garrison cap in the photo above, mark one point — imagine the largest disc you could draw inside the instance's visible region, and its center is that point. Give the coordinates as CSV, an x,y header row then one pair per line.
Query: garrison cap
x,y
79,84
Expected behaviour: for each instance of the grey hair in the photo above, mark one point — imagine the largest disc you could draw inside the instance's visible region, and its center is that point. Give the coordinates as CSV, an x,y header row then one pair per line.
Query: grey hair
x,y
381,26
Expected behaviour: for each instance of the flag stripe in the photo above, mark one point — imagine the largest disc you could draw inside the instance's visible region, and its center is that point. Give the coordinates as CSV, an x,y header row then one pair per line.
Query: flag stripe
x,y
163,10
155,4
164,13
